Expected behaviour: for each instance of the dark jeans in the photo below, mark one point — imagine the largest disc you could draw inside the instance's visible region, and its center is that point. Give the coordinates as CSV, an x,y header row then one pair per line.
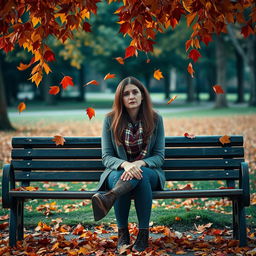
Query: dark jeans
x,y
142,191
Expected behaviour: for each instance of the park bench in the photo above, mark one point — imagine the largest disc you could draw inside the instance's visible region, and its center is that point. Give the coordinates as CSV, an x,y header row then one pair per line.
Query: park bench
x,y
38,159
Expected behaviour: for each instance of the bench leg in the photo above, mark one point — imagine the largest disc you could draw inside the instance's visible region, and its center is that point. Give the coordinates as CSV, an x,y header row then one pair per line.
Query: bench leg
x,y
240,222
13,224
20,219
235,220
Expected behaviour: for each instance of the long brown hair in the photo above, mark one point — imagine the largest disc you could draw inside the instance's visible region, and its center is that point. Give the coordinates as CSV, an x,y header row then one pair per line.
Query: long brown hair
x,y
120,115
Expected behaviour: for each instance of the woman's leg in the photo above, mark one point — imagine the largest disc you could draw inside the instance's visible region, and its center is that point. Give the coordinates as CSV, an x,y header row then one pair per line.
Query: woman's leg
x,y
143,196
123,203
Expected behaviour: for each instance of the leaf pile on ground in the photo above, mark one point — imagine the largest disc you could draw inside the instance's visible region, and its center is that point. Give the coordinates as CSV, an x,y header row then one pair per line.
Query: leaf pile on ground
x,y
58,239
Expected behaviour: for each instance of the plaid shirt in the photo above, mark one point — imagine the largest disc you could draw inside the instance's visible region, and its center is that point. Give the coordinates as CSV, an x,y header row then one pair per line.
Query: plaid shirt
x,y
135,148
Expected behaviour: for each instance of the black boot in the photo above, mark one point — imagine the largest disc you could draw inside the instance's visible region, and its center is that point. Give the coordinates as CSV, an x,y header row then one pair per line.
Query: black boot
x,y
141,242
123,237
102,203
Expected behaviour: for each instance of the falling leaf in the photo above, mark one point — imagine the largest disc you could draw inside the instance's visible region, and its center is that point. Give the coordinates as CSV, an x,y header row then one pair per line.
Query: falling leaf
x,y
92,82
22,66
54,90
172,99
190,136
120,60
22,107
194,55
130,51
109,76
66,81
190,69
59,140
148,61
90,112
224,139
218,89
158,74
49,56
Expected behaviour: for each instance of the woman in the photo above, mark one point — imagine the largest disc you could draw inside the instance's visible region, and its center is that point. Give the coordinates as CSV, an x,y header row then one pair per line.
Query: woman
x,y
133,152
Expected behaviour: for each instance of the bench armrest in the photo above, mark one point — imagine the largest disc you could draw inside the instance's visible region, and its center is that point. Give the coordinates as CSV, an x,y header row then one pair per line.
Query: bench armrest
x,y
8,183
244,183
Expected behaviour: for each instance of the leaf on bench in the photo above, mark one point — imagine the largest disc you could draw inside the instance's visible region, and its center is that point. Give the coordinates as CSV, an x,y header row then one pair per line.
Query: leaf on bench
x,y
224,139
226,187
30,188
59,140
190,136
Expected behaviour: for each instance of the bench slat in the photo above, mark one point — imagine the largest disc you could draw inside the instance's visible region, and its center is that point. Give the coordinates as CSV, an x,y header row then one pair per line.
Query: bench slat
x,y
96,153
97,165
95,176
158,194
95,142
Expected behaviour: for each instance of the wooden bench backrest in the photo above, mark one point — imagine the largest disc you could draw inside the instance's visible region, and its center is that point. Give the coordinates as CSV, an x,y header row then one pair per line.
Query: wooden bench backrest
x,y
79,159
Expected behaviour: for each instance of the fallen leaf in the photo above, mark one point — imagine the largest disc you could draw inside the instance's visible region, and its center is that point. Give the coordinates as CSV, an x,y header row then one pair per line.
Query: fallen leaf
x,y
90,112
178,218
22,107
5,217
224,139
54,90
218,89
109,76
172,99
202,228
59,140
66,81
187,187
158,74
190,136
92,82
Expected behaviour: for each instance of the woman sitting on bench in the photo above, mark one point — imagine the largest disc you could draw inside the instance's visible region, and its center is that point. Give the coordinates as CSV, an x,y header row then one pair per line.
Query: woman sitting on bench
x,y
133,144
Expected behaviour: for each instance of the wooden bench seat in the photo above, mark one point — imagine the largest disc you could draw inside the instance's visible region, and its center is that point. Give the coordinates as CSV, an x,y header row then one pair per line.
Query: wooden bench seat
x,y
204,158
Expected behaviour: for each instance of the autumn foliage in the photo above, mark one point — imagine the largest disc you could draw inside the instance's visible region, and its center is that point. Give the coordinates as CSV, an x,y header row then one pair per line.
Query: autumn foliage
x,y
28,23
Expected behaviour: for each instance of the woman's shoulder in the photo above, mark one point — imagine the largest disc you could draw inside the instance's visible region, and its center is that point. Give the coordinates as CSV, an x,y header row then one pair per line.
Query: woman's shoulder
x,y
157,116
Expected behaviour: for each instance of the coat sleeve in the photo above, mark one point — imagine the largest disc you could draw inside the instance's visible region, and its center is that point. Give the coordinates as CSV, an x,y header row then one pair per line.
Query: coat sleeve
x,y
158,151
109,158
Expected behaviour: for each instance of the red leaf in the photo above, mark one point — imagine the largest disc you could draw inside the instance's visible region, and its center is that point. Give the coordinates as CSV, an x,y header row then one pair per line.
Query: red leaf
x,y
194,55
90,112
109,76
49,56
207,39
66,81
190,70
120,60
247,30
190,136
87,27
54,90
125,27
218,89
130,51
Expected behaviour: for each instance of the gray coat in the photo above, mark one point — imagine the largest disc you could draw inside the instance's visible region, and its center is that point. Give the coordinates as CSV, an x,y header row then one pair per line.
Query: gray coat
x,y
113,156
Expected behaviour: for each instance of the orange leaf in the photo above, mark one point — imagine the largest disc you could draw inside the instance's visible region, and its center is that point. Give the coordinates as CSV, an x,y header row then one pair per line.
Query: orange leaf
x,y
172,99
224,139
78,230
178,218
90,112
92,82
59,140
130,51
194,55
190,136
109,76
158,74
22,66
54,90
218,89
190,69
66,81
22,106
190,18
187,187
120,60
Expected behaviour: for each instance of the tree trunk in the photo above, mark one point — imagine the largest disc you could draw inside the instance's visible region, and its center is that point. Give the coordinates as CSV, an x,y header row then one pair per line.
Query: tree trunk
x,y
49,98
190,89
240,77
252,66
5,123
81,84
147,81
221,100
167,86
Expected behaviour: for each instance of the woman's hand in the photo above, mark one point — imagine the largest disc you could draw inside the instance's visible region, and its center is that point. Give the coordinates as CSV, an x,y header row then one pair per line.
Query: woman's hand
x,y
139,163
131,170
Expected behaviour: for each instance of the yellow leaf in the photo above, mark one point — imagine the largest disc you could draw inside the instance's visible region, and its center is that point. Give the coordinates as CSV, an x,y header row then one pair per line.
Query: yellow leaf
x,y
190,18
37,78
85,14
62,17
158,74
47,69
35,21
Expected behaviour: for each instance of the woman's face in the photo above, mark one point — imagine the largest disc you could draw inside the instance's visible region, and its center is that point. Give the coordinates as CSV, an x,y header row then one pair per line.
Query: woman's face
x,y
132,97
